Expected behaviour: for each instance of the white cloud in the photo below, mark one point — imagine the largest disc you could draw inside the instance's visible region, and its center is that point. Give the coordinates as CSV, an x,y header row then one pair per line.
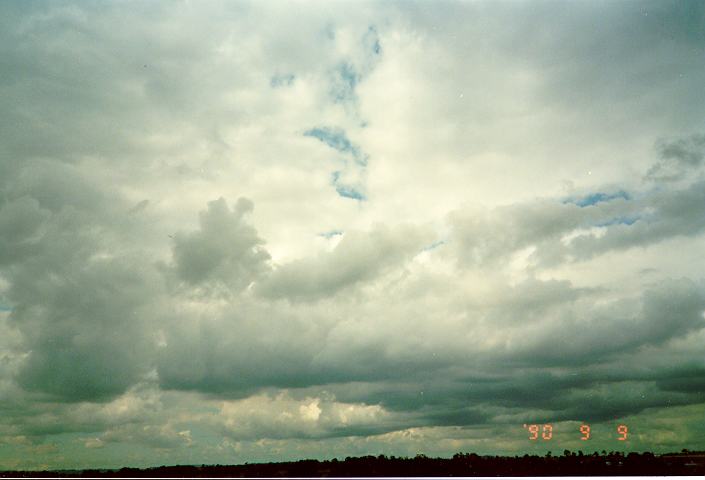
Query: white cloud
x,y
278,417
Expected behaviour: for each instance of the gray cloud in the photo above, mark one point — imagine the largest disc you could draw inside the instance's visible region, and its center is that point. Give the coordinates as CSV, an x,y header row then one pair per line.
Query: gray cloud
x,y
561,231
83,327
671,310
78,292
240,351
677,158
225,254
21,219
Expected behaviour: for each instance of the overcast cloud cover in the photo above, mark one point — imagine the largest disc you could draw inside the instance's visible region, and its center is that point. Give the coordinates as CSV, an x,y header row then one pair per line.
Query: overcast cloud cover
x,y
236,232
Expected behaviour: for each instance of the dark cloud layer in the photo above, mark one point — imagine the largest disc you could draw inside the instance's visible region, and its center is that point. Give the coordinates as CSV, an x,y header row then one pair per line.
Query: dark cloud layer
x,y
525,245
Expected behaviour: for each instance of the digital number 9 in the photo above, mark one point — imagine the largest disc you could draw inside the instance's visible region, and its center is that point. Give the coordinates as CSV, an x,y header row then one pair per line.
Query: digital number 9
x,y
534,431
622,430
585,430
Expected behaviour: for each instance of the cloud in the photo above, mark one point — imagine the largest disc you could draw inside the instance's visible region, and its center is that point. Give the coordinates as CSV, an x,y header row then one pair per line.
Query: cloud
x,y
162,436
561,232
284,417
671,310
94,443
237,349
678,157
519,249
283,80
358,257
79,292
83,328
21,219
225,253
665,215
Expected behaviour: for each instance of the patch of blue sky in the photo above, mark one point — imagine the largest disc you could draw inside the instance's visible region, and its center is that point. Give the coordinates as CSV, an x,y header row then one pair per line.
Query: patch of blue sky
x,y
619,221
345,80
372,40
598,197
346,191
333,137
5,308
330,234
433,246
338,140
283,80
348,75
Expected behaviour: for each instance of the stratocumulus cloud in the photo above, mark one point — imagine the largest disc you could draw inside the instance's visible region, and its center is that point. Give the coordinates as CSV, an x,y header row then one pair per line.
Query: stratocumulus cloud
x,y
371,228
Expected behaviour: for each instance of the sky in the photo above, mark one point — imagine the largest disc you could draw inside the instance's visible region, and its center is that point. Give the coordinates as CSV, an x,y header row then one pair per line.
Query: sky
x,y
235,232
